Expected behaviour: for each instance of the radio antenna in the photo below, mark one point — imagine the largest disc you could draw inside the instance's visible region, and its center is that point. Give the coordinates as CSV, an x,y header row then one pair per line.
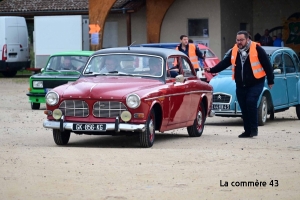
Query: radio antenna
x,y
130,45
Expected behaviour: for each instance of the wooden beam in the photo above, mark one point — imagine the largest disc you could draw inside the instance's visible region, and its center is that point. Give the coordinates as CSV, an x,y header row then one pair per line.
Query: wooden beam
x,y
155,12
128,20
98,11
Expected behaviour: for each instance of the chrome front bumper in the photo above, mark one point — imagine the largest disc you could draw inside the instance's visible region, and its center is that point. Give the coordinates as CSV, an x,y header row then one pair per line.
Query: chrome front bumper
x,y
211,113
117,127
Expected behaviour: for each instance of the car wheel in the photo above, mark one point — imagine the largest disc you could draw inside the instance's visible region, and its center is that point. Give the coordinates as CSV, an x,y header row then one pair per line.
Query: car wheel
x,y
35,106
262,111
272,115
147,137
61,138
197,128
298,111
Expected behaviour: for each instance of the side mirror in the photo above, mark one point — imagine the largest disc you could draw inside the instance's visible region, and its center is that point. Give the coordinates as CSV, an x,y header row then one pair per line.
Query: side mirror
x,y
179,78
277,71
204,53
275,66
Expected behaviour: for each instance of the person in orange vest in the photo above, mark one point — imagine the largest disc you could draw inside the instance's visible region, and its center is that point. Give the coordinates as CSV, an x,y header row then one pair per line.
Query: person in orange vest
x,y
250,65
191,50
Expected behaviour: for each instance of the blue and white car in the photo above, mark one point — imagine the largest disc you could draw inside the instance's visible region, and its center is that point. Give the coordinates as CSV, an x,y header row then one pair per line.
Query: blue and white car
x,y
284,94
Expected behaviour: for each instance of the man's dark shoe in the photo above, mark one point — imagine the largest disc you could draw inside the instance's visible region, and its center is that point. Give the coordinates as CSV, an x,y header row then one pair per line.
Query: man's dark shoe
x,y
252,134
245,135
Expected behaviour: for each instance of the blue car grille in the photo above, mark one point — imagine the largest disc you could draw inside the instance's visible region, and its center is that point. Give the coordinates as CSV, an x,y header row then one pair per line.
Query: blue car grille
x,y
108,109
221,98
74,108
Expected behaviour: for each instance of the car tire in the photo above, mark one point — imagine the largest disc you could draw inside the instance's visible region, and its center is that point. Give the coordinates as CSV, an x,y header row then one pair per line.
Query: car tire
x,y
197,128
298,111
147,137
61,138
35,106
262,111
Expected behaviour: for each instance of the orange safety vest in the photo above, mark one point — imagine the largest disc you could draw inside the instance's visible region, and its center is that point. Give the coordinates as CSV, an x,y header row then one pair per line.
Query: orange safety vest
x,y
257,68
192,55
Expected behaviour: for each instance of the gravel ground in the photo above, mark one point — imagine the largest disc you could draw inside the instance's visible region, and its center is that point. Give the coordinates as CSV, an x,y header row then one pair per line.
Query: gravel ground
x,y
218,165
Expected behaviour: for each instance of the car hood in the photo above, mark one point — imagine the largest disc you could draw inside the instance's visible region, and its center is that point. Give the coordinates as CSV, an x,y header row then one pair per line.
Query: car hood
x,y
223,83
60,75
107,87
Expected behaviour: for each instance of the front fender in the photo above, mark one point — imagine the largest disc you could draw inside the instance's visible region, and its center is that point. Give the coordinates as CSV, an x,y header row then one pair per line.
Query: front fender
x,y
265,92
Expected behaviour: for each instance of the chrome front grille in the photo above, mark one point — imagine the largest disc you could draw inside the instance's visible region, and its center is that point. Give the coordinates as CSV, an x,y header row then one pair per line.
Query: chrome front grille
x,y
74,108
108,109
221,98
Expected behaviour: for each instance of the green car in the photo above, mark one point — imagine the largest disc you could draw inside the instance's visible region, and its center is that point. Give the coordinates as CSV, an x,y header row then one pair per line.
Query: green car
x,y
60,69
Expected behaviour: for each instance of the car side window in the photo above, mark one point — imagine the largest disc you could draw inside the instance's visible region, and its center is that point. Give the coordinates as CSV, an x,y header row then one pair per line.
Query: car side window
x,y
289,64
277,63
172,67
297,62
186,67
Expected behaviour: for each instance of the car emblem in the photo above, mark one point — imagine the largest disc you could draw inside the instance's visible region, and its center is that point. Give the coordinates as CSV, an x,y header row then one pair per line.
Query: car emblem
x,y
219,97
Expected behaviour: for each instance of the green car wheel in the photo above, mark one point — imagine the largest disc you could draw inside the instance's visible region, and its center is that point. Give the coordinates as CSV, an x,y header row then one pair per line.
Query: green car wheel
x,y
35,106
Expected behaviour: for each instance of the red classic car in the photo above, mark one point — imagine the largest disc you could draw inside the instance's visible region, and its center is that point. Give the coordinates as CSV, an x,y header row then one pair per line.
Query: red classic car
x,y
132,90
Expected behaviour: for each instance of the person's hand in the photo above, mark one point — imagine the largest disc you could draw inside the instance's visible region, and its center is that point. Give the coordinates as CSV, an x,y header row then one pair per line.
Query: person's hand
x,y
270,86
207,69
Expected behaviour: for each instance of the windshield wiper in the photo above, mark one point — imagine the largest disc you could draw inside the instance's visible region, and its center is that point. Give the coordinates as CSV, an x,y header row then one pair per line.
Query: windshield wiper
x,y
50,69
120,73
93,73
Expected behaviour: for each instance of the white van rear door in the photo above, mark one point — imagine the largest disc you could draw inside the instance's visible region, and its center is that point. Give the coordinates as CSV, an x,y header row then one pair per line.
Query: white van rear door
x,y
23,40
15,34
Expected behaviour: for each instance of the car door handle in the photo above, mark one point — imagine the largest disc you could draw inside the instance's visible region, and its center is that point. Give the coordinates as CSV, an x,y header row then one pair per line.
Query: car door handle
x,y
21,49
284,78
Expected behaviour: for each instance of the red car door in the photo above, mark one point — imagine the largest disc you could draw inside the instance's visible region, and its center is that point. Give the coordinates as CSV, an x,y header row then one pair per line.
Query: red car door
x,y
179,99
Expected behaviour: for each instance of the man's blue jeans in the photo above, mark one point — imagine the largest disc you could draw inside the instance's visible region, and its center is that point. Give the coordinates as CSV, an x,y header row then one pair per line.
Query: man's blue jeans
x,y
247,98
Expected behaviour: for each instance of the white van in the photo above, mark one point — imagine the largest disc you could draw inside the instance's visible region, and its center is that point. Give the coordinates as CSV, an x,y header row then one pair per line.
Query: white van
x,y
14,49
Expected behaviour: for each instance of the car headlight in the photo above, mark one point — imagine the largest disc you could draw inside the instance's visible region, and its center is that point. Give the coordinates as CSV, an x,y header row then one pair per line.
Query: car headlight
x,y
37,84
52,98
133,101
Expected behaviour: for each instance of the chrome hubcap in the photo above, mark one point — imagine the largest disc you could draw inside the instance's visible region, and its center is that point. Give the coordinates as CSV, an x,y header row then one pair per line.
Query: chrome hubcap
x,y
151,129
199,119
264,111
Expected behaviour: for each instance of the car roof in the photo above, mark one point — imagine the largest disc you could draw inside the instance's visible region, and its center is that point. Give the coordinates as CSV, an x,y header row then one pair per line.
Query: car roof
x,y
159,45
270,50
73,53
141,50
170,45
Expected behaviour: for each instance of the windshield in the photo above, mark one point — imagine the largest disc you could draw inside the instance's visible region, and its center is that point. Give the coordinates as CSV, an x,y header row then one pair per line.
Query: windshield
x,y
209,53
125,64
58,63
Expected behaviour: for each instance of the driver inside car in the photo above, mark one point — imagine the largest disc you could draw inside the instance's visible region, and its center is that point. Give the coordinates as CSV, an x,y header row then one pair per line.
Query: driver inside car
x,y
67,64
110,65
155,66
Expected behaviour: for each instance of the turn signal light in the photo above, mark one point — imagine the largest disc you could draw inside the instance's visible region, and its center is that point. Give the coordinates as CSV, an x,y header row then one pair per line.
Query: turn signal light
x,y
139,115
48,112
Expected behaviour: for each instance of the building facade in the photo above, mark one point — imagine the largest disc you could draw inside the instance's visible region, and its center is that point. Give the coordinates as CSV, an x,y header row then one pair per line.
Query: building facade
x,y
214,23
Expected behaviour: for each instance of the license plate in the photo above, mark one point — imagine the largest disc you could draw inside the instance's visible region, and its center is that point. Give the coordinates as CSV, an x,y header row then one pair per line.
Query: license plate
x,y
221,106
89,127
